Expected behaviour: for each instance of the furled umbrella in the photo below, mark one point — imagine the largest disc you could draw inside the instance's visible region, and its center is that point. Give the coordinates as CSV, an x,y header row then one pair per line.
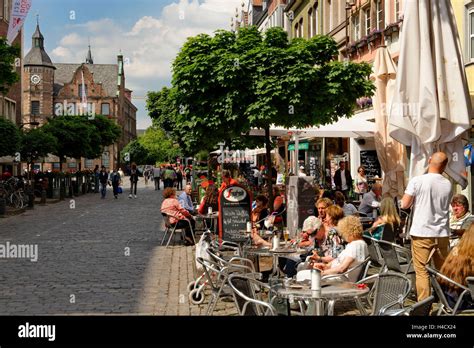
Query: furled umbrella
x,y
431,107
391,154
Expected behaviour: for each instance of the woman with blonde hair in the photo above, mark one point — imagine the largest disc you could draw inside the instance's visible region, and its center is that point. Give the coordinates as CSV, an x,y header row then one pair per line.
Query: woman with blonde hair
x,y
388,215
458,266
354,254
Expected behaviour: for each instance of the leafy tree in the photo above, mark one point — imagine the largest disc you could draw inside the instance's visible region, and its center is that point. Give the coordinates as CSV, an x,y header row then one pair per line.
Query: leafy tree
x,y
229,83
8,76
136,152
9,137
81,137
37,143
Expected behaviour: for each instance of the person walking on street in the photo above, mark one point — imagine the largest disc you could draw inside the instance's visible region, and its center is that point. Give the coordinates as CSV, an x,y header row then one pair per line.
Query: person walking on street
x,y
115,180
103,178
133,181
156,177
430,195
96,178
179,178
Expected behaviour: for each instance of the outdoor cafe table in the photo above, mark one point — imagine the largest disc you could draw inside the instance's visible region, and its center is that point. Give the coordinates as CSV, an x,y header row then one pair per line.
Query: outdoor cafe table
x,y
333,289
203,217
265,251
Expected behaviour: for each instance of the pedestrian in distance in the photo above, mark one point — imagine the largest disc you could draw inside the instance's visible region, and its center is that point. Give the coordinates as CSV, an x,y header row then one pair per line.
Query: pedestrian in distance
x,y
343,179
96,178
179,178
430,196
103,179
133,181
157,177
115,180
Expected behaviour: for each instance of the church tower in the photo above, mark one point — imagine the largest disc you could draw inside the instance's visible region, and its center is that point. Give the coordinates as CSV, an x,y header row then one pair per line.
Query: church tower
x,y
38,82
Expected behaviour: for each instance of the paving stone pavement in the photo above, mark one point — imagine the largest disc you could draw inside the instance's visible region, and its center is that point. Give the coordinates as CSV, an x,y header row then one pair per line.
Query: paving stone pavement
x,y
97,257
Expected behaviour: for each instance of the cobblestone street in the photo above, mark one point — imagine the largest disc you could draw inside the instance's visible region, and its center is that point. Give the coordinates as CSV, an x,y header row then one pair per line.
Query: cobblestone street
x,y
100,257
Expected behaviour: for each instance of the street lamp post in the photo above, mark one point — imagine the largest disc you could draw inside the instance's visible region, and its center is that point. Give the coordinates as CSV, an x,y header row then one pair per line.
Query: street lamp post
x,y
30,191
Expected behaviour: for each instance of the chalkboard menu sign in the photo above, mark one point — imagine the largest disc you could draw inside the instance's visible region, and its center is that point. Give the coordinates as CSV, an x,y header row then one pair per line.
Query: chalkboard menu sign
x,y
370,161
234,212
301,199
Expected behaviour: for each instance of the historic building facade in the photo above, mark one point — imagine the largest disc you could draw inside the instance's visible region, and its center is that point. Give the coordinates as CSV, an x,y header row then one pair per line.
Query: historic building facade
x,y
10,104
55,89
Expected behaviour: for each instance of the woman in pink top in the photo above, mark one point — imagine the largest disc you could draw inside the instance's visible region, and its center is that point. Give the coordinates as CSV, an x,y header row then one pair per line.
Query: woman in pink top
x,y
178,215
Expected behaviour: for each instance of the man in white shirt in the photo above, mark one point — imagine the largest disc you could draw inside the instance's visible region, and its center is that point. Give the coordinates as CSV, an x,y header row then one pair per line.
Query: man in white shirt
x,y
430,195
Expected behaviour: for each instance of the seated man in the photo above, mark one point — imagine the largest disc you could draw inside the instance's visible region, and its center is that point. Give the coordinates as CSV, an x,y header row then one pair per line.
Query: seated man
x,y
460,218
306,241
185,199
371,200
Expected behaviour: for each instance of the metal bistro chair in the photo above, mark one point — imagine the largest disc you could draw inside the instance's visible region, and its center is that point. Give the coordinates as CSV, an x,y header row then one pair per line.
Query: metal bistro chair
x,y
445,308
171,228
391,290
247,291
396,258
419,309
218,269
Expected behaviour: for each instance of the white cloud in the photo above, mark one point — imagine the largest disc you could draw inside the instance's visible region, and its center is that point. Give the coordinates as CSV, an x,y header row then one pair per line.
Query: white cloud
x,y
150,45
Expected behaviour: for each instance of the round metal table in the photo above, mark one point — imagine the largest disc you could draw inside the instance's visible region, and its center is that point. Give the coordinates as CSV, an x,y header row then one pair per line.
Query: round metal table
x,y
330,290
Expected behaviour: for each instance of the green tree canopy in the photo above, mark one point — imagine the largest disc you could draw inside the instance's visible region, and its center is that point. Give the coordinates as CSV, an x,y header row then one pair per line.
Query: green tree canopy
x,y
8,76
80,136
37,143
136,152
229,83
9,137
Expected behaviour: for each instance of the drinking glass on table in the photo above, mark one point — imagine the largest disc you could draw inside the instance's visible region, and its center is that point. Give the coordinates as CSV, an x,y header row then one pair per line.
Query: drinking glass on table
x,y
286,235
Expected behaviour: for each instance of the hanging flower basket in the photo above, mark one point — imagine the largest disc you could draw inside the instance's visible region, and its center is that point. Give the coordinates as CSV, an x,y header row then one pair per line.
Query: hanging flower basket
x,y
374,35
362,42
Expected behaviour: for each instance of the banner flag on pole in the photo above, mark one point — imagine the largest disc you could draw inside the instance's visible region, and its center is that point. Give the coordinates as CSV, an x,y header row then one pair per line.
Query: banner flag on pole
x,y
18,15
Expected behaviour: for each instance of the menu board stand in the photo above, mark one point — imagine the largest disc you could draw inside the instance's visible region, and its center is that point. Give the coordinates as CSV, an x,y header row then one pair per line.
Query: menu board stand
x,y
235,204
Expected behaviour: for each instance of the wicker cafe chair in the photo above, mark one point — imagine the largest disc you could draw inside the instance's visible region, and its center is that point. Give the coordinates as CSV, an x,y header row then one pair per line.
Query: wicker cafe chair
x,y
420,309
218,270
247,291
445,308
391,290
171,228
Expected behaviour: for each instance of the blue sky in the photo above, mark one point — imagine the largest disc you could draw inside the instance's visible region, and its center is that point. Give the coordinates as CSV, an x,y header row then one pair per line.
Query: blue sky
x,y
148,32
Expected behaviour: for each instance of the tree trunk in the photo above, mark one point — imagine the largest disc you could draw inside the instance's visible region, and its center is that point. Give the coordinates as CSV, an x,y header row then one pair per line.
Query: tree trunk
x,y
269,166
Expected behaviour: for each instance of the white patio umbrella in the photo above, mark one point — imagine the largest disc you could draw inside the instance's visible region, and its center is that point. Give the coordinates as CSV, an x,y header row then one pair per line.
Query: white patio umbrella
x,y
431,107
391,154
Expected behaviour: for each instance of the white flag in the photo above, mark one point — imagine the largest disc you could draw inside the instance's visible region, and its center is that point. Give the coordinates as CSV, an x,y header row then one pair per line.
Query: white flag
x,y
19,12
83,93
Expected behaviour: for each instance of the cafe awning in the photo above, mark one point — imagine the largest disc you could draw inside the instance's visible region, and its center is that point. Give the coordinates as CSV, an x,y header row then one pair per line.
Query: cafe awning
x,y
343,128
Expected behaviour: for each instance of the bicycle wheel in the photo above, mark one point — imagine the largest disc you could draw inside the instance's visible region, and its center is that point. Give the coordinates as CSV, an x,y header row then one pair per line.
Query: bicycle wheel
x,y
16,201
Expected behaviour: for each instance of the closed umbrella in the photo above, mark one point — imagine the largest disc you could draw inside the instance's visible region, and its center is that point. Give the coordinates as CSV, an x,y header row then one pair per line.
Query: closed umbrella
x,y
431,106
391,154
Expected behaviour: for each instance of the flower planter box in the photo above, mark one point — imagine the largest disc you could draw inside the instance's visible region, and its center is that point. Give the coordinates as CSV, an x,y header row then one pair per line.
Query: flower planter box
x,y
361,44
374,37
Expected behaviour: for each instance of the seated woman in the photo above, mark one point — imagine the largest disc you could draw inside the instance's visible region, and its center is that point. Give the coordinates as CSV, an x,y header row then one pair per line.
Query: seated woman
x,y
257,216
354,254
388,215
307,241
278,206
328,242
458,266
177,214
460,219
209,201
